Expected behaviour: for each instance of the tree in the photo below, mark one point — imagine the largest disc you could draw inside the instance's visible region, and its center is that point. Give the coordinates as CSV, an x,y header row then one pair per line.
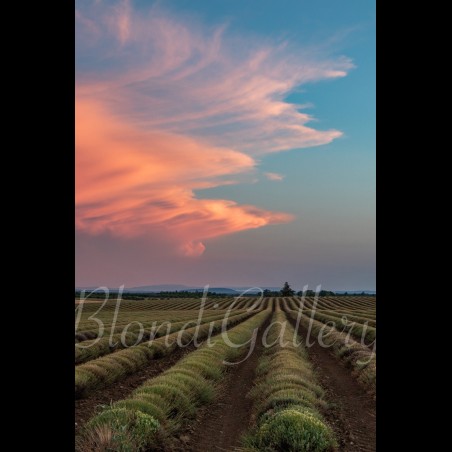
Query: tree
x,y
287,291
307,293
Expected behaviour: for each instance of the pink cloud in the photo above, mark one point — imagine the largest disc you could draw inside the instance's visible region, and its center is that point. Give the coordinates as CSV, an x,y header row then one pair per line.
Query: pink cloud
x,y
131,181
274,176
181,109
122,19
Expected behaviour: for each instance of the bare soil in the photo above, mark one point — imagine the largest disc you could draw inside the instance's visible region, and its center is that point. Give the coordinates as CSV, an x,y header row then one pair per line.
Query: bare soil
x,y
352,412
86,408
220,425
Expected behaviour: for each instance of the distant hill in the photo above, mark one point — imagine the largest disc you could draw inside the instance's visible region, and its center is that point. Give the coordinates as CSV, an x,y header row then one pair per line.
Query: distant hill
x,y
159,288
179,288
144,289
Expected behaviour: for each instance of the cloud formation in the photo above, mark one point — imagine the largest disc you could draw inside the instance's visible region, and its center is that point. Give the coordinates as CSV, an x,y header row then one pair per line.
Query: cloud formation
x,y
165,107
274,176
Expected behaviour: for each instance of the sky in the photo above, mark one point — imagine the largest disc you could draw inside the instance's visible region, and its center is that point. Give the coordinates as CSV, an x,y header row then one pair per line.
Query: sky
x,y
225,143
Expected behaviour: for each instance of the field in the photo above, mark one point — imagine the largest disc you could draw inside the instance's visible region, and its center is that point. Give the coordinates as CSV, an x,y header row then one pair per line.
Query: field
x,y
226,374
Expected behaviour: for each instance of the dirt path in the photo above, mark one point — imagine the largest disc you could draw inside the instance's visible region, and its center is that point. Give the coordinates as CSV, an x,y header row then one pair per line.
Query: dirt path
x,y
85,408
352,412
220,425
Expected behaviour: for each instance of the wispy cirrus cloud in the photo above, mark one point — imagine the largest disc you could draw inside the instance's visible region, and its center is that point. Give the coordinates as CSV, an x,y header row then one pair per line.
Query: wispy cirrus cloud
x,y
274,176
165,107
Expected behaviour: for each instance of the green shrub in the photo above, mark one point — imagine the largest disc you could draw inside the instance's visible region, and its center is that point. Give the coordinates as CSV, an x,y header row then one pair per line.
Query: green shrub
x,y
287,398
181,405
83,380
204,369
144,406
198,387
296,378
167,401
124,430
355,354
292,430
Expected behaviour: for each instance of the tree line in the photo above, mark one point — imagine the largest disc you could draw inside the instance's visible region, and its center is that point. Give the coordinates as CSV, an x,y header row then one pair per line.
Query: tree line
x,y
285,291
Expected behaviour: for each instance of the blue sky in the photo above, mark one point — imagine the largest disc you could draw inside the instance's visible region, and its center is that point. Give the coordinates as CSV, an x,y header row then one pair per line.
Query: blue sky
x,y
316,224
